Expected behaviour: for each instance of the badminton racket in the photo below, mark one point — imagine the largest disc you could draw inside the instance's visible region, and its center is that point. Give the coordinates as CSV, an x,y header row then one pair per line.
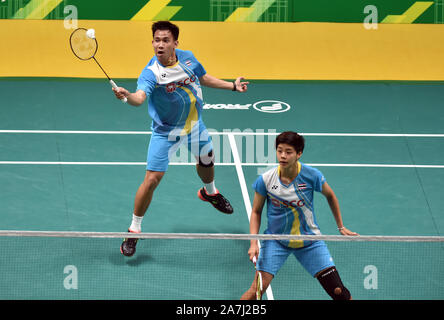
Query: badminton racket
x,y
259,286
84,46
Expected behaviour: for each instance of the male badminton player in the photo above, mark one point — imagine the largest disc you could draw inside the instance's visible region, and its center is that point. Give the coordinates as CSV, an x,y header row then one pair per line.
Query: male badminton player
x,y
288,190
171,82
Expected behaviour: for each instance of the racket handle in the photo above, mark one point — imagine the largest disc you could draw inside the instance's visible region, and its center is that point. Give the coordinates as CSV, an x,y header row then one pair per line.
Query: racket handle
x,y
114,85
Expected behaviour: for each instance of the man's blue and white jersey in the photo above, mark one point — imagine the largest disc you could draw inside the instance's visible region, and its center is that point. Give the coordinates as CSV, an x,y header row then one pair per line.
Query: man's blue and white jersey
x,y
174,92
290,208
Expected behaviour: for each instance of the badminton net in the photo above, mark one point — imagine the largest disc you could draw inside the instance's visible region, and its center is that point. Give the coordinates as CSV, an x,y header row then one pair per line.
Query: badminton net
x,y
185,266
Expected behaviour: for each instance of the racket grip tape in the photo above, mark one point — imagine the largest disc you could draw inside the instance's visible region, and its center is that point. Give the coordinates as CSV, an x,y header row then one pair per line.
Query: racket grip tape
x,y
114,85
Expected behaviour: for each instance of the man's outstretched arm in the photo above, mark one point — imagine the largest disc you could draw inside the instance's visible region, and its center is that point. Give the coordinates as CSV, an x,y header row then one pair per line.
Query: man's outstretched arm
x,y
213,82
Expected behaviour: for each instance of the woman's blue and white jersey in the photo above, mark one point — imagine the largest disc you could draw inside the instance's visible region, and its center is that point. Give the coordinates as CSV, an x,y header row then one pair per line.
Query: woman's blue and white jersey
x,y
174,92
290,208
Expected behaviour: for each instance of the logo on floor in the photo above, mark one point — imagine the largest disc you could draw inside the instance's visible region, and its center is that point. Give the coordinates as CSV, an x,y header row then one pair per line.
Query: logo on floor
x,y
268,106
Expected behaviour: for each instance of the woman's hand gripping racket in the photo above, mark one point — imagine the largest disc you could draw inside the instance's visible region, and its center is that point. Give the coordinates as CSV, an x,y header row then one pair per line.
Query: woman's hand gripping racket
x,y
259,286
84,46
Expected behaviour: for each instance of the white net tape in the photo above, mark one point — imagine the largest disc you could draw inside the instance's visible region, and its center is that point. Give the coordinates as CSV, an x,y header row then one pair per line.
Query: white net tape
x,y
78,234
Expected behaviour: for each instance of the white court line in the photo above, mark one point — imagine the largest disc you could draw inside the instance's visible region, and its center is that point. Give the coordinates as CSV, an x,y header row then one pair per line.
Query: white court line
x,y
357,165
116,163
244,189
240,174
236,133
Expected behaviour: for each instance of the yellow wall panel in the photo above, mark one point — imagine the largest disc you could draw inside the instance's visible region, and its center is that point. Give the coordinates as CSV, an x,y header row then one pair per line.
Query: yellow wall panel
x,y
287,51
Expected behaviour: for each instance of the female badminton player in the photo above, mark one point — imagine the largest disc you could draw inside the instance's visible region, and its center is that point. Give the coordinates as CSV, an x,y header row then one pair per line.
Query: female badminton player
x,y
288,190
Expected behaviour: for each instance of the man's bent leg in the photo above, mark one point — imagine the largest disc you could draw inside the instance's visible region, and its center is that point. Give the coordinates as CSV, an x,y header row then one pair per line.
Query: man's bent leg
x,y
143,199
145,192
209,193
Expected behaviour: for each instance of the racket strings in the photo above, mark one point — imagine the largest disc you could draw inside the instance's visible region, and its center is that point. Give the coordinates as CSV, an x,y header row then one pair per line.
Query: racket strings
x,y
83,46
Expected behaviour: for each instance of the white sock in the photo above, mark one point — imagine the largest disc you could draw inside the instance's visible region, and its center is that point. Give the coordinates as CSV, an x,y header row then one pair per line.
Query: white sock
x,y
210,188
136,224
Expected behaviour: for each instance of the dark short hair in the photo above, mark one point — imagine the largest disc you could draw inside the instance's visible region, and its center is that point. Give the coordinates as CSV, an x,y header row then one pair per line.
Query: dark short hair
x,y
291,138
166,25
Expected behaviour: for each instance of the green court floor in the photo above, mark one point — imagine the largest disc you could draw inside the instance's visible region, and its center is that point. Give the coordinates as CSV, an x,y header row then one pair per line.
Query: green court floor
x,y
72,158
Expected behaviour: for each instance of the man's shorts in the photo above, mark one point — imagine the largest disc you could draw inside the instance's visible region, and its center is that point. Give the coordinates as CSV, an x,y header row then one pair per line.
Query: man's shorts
x,y
165,145
314,257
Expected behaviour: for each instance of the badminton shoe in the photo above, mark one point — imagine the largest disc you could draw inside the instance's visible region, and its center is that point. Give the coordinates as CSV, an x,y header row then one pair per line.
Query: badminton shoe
x,y
128,246
217,200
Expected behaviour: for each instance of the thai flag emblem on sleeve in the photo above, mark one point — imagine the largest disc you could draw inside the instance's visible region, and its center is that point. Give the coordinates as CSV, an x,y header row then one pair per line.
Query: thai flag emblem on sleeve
x,y
188,63
302,186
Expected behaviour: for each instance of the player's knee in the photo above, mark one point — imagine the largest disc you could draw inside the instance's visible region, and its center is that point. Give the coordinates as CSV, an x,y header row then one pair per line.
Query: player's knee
x,y
207,161
337,291
150,184
152,181
341,293
332,284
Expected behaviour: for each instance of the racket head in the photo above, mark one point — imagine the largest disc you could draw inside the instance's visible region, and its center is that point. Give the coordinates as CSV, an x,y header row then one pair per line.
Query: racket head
x,y
83,46
259,286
